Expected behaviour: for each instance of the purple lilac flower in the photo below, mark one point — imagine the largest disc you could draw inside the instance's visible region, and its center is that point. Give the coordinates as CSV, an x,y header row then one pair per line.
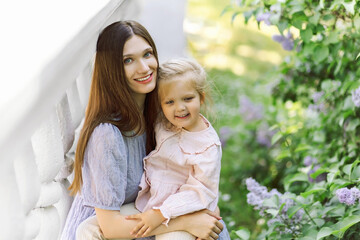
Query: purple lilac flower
x,y
348,196
356,97
287,42
264,135
320,107
249,110
308,160
355,192
317,96
264,17
225,133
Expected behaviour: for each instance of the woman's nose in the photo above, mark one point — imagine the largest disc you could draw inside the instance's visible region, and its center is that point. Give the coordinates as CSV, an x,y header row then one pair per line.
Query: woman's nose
x,y
143,67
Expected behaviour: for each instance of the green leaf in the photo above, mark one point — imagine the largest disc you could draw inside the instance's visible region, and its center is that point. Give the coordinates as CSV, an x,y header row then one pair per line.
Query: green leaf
x,y
298,177
332,38
272,211
321,53
315,18
324,232
330,176
355,174
357,56
347,169
282,25
243,234
283,154
306,35
302,147
272,202
226,9
319,136
349,6
338,211
297,23
314,190
234,16
348,103
277,136
352,125
309,49
293,210
346,223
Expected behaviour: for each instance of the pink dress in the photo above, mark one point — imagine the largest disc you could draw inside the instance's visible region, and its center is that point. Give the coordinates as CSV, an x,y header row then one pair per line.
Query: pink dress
x,y
182,173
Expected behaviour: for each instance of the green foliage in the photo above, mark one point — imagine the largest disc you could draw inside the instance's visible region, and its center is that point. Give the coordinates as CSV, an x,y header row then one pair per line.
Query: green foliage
x,y
312,114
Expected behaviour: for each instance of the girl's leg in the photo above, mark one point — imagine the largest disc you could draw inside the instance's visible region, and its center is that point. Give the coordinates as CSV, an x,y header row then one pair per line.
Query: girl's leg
x,y
178,235
90,229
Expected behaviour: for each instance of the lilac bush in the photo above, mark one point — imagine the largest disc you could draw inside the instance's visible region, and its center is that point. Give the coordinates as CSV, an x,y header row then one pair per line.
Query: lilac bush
x,y
259,194
321,74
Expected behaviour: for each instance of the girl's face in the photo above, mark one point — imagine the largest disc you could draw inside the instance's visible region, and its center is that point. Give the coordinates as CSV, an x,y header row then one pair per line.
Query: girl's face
x,y
140,66
180,102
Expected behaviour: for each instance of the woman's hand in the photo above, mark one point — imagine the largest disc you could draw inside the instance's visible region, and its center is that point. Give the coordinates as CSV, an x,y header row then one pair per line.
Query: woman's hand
x,y
203,224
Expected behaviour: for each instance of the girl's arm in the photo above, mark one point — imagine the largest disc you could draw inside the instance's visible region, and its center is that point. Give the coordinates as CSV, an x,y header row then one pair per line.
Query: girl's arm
x,y
202,224
200,191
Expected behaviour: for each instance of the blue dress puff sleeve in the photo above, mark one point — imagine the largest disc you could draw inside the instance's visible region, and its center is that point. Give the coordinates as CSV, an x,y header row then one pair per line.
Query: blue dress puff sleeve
x,y
105,169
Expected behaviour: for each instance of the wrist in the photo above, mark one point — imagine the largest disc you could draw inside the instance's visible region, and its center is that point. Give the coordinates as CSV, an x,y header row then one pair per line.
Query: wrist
x,y
183,222
159,214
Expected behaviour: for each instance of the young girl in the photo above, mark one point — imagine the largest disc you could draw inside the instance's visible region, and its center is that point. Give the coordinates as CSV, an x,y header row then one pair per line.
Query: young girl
x,y
182,173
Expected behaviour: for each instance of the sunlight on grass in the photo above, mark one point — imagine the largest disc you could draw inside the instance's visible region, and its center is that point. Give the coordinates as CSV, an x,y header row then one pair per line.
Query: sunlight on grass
x,y
262,55
216,42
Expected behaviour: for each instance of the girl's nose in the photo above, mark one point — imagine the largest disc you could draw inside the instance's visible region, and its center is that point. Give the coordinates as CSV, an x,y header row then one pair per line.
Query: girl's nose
x,y
180,107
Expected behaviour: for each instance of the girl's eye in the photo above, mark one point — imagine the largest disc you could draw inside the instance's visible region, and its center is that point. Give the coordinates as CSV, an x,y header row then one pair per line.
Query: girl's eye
x,y
189,98
169,102
127,60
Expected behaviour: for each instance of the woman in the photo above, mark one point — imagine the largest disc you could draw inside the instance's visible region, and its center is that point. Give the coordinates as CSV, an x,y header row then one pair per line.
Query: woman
x,y
117,134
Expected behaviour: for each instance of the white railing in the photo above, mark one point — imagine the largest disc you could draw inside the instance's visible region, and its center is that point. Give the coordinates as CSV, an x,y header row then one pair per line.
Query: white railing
x,y
38,127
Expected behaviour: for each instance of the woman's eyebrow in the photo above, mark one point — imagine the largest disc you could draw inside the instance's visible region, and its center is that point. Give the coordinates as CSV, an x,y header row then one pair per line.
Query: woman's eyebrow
x,y
145,50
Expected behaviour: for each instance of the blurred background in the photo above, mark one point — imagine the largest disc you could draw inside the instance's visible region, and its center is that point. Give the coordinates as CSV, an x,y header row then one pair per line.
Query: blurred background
x,y
239,59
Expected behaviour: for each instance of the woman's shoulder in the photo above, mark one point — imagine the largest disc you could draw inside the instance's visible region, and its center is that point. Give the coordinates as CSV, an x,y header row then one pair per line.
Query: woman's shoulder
x,y
106,132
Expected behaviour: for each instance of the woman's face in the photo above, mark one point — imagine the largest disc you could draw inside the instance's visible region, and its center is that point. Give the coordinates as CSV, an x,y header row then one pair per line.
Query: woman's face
x,y
140,65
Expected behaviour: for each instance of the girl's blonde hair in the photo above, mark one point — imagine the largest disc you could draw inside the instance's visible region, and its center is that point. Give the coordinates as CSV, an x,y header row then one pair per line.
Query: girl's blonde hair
x,y
181,66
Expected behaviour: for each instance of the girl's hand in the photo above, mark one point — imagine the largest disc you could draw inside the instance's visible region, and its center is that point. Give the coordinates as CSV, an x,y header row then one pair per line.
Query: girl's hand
x,y
203,224
149,220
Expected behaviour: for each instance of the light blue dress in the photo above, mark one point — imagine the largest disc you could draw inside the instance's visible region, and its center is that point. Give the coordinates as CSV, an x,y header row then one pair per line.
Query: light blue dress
x,y
112,170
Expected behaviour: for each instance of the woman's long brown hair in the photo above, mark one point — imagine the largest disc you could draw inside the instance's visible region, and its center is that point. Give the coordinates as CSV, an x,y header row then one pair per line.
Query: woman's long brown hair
x,y
110,99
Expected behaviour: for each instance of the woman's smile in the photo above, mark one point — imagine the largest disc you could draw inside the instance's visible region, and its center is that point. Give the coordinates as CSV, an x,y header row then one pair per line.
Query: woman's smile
x,y
145,79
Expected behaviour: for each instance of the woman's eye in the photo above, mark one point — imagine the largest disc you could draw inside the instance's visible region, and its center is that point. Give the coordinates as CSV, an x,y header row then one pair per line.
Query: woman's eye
x,y
127,60
148,54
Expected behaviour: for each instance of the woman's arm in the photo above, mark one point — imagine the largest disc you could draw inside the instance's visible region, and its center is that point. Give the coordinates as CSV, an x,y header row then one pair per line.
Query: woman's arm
x,y
201,224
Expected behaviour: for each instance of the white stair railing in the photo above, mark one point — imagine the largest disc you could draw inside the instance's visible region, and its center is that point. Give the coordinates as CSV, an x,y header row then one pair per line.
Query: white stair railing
x,y
38,130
